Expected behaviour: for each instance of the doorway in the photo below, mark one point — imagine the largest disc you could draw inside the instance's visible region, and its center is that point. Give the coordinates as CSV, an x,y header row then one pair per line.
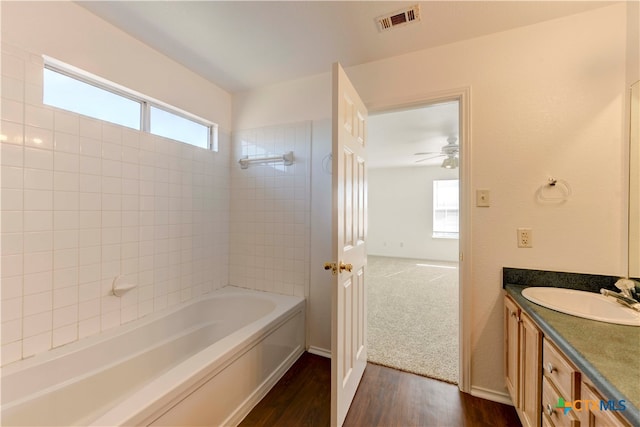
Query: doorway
x,y
413,239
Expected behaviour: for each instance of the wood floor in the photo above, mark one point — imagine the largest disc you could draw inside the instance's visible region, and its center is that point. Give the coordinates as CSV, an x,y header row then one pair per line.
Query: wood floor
x,y
386,397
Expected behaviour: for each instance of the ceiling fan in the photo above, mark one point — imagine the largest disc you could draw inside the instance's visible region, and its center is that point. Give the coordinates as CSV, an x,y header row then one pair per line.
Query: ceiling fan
x,y
449,151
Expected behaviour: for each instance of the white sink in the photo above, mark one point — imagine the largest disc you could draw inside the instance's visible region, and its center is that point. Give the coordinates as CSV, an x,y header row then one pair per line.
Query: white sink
x,y
583,304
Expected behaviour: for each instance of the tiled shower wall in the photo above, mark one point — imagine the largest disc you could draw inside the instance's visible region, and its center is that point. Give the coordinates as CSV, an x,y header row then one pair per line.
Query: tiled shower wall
x,y
270,211
84,201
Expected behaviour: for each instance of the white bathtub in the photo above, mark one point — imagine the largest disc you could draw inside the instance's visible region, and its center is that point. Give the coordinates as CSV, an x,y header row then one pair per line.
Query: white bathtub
x,y
207,362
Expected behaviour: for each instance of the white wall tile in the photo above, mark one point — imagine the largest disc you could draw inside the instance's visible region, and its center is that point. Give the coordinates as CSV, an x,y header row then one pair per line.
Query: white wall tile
x,y
12,89
65,200
36,137
65,181
11,133
38,179
90,128
38,116
12,311
37,313
65,238
66,162
11,243
38,241
90,146
88,327
66,142
88,293
11,352
64,335
38,200
38,262
12,66
12,221
63,313
65,258
12,111
36,344
38,159
11,329
35,283
64,278
34,69
66,122
33,93
37,220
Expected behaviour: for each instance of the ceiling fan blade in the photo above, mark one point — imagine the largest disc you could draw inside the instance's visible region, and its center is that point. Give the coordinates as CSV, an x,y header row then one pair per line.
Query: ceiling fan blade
x,y
427,152
429,158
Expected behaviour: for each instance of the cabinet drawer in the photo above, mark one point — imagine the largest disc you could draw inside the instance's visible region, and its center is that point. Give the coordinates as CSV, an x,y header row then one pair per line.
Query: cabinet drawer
x,y
560,372
553,416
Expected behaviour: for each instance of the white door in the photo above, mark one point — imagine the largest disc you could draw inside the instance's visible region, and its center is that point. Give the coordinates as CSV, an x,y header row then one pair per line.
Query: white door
x,y
348,296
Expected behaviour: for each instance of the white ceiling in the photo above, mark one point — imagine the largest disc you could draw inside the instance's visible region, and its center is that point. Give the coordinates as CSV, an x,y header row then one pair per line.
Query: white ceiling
x,y
241,45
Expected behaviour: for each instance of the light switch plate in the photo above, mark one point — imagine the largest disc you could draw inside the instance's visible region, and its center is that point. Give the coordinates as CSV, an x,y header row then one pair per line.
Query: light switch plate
x,y
483,198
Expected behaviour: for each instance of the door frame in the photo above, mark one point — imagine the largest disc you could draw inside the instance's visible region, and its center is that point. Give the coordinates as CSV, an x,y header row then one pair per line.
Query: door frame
x,y
463,96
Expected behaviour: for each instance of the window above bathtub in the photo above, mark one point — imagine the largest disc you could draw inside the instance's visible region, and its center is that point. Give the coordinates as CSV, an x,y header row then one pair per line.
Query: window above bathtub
x,y
72,89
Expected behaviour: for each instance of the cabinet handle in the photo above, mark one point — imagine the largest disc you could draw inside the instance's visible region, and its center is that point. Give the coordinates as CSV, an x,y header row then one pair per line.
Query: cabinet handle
x,y
550,368
549,409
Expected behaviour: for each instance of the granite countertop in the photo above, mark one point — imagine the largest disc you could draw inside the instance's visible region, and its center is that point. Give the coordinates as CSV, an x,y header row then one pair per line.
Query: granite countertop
x,y
606,353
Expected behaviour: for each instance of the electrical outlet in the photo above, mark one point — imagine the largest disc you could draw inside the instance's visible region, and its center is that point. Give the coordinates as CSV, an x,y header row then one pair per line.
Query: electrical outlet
x,y
525,236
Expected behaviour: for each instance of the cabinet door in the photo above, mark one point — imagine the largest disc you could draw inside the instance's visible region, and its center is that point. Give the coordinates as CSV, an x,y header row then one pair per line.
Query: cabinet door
x,y
530,372
591,416
511,348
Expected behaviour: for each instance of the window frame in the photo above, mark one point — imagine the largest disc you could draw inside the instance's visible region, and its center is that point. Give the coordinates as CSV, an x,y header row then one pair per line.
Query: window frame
x,y
145,102
439,234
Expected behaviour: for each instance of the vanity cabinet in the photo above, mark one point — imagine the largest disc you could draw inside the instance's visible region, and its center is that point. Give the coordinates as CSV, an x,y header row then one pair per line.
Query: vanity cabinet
x,y
523,346
539,377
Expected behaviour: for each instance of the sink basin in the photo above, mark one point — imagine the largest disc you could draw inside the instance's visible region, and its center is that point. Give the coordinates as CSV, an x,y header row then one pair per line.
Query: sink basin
x,y
588,305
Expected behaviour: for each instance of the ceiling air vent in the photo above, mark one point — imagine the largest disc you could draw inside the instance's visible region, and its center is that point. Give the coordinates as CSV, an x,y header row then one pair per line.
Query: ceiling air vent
x,y
398,18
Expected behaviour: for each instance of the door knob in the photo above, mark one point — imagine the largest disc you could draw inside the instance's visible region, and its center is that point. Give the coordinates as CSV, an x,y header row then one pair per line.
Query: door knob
x,y
344,266
335,268
331,266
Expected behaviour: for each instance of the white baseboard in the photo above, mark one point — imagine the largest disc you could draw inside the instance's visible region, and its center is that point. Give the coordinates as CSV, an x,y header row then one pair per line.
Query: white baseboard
x,y
492,395
320,351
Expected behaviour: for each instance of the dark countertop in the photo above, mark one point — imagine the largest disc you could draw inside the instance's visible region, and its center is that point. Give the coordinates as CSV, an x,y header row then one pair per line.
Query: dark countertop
x,y
608,354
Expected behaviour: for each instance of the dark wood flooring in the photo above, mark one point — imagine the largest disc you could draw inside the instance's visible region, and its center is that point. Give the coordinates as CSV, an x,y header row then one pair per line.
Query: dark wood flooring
x,y
386,398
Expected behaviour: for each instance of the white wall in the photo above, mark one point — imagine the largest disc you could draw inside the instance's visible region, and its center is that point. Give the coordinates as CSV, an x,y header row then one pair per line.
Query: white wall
x,y
84,201
546,100
401,214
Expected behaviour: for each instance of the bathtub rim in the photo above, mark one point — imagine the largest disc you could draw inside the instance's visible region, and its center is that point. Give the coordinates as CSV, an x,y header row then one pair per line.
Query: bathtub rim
x,y
83,343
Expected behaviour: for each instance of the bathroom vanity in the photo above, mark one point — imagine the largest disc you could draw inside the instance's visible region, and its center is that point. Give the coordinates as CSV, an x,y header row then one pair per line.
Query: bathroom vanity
x,y
563,370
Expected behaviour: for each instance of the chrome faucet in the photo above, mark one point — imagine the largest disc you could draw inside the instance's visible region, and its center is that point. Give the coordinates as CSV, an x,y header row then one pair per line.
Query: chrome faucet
x,y
627,295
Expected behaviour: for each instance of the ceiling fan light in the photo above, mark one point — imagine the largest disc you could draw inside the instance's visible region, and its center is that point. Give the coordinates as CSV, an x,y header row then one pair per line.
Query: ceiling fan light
x,y
450,163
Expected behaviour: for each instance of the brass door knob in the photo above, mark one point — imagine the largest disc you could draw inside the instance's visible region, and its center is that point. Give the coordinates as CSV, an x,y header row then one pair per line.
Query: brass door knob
x,y
331,266
344,266
335,268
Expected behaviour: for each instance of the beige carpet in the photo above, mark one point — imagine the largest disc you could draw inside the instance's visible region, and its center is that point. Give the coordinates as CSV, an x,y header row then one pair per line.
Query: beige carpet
x,y
413,316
